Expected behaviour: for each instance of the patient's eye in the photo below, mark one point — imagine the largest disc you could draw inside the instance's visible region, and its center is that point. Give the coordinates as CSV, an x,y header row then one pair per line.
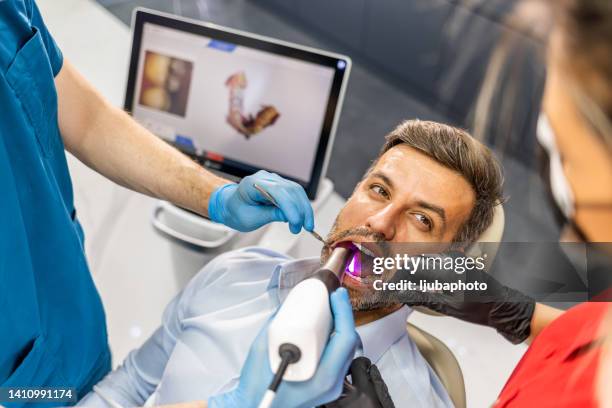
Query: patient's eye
x,y
424,220
380,190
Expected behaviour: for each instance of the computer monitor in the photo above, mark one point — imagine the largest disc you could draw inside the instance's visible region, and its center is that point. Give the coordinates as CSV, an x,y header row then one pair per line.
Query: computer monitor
x,y
234,101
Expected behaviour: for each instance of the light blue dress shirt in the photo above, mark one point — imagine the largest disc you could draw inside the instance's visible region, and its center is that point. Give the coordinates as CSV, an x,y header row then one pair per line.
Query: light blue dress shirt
x,y
208,328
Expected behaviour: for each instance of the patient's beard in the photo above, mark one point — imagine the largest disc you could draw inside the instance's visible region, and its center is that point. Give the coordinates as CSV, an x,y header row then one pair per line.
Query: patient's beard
x,y
370,300
369,304
370,307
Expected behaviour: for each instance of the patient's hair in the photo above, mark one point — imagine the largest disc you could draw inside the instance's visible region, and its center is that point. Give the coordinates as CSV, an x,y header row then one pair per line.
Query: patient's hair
x,y
457,150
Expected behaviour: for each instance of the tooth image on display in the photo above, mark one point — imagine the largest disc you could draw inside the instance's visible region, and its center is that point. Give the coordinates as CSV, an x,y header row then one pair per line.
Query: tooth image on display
x,y
156,68
156,97
165,83
246,124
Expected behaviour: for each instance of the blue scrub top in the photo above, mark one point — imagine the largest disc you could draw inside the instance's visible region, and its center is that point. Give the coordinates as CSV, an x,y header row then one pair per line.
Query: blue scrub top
x,y
52,324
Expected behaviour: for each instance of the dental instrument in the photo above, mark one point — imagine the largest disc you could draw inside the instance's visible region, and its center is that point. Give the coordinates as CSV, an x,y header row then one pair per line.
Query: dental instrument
x,y
300,330
272,201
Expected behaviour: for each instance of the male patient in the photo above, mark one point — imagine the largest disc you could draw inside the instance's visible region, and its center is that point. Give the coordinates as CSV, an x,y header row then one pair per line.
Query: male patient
x,y
430,183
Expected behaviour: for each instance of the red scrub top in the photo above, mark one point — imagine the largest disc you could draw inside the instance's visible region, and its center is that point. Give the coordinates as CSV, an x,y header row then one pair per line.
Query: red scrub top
x,y
560,367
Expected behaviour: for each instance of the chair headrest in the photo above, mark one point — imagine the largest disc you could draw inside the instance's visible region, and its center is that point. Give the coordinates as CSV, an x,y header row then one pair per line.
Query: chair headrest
x,y
490,237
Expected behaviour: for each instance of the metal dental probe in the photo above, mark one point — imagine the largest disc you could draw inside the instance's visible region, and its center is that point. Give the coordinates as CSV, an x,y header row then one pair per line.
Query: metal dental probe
x,y
274,203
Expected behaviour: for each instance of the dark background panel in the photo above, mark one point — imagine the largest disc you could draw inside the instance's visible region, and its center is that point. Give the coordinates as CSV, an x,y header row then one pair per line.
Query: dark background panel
x,y
405,38
341,20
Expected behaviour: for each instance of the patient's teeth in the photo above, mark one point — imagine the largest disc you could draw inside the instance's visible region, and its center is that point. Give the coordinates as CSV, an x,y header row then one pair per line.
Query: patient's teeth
x,y
363,249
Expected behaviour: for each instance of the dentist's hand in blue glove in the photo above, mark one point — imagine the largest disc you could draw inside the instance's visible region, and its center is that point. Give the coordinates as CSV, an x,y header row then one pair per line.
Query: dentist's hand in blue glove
x,y
243,208
323,387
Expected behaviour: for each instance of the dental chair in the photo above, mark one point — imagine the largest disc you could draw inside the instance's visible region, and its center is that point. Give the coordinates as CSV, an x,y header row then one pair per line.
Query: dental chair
x,y
435,352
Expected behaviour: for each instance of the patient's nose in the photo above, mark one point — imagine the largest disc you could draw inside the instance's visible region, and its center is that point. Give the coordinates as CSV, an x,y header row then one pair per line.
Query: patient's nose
x,y
382,222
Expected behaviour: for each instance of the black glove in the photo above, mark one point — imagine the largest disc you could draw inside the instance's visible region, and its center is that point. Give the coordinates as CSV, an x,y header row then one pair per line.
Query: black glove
x,y
505,309
368,389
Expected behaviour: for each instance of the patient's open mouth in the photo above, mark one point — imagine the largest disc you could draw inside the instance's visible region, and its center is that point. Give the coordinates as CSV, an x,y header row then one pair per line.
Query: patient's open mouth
x,y
359,268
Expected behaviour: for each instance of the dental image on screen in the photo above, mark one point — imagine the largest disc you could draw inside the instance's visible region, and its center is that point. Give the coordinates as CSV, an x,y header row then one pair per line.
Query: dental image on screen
x,y
240,104
246,124
165,83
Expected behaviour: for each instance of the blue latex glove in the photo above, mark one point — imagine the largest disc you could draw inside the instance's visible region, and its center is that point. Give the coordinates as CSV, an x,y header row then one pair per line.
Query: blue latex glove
x,y
243,208
323,387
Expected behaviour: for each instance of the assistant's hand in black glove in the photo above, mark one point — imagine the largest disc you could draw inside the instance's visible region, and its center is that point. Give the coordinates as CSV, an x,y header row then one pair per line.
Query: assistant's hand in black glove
x,y
367,390
505,309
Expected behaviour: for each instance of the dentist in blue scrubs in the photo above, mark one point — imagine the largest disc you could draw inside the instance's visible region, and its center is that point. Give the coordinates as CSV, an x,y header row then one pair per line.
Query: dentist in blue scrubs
x,y
52,324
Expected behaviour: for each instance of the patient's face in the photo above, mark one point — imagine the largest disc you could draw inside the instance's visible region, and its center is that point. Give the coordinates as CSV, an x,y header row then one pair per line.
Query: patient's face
x,y
406,198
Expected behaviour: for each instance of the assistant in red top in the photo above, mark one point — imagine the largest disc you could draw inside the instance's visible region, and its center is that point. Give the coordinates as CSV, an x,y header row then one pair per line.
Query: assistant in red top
x,y
561,365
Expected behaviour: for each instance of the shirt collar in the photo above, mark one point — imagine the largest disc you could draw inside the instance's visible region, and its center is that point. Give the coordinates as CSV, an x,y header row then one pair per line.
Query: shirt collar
x,y
289,273
378,336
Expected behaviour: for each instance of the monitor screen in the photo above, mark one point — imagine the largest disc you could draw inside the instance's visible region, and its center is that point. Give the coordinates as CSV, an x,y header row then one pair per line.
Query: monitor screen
x,y
236,102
